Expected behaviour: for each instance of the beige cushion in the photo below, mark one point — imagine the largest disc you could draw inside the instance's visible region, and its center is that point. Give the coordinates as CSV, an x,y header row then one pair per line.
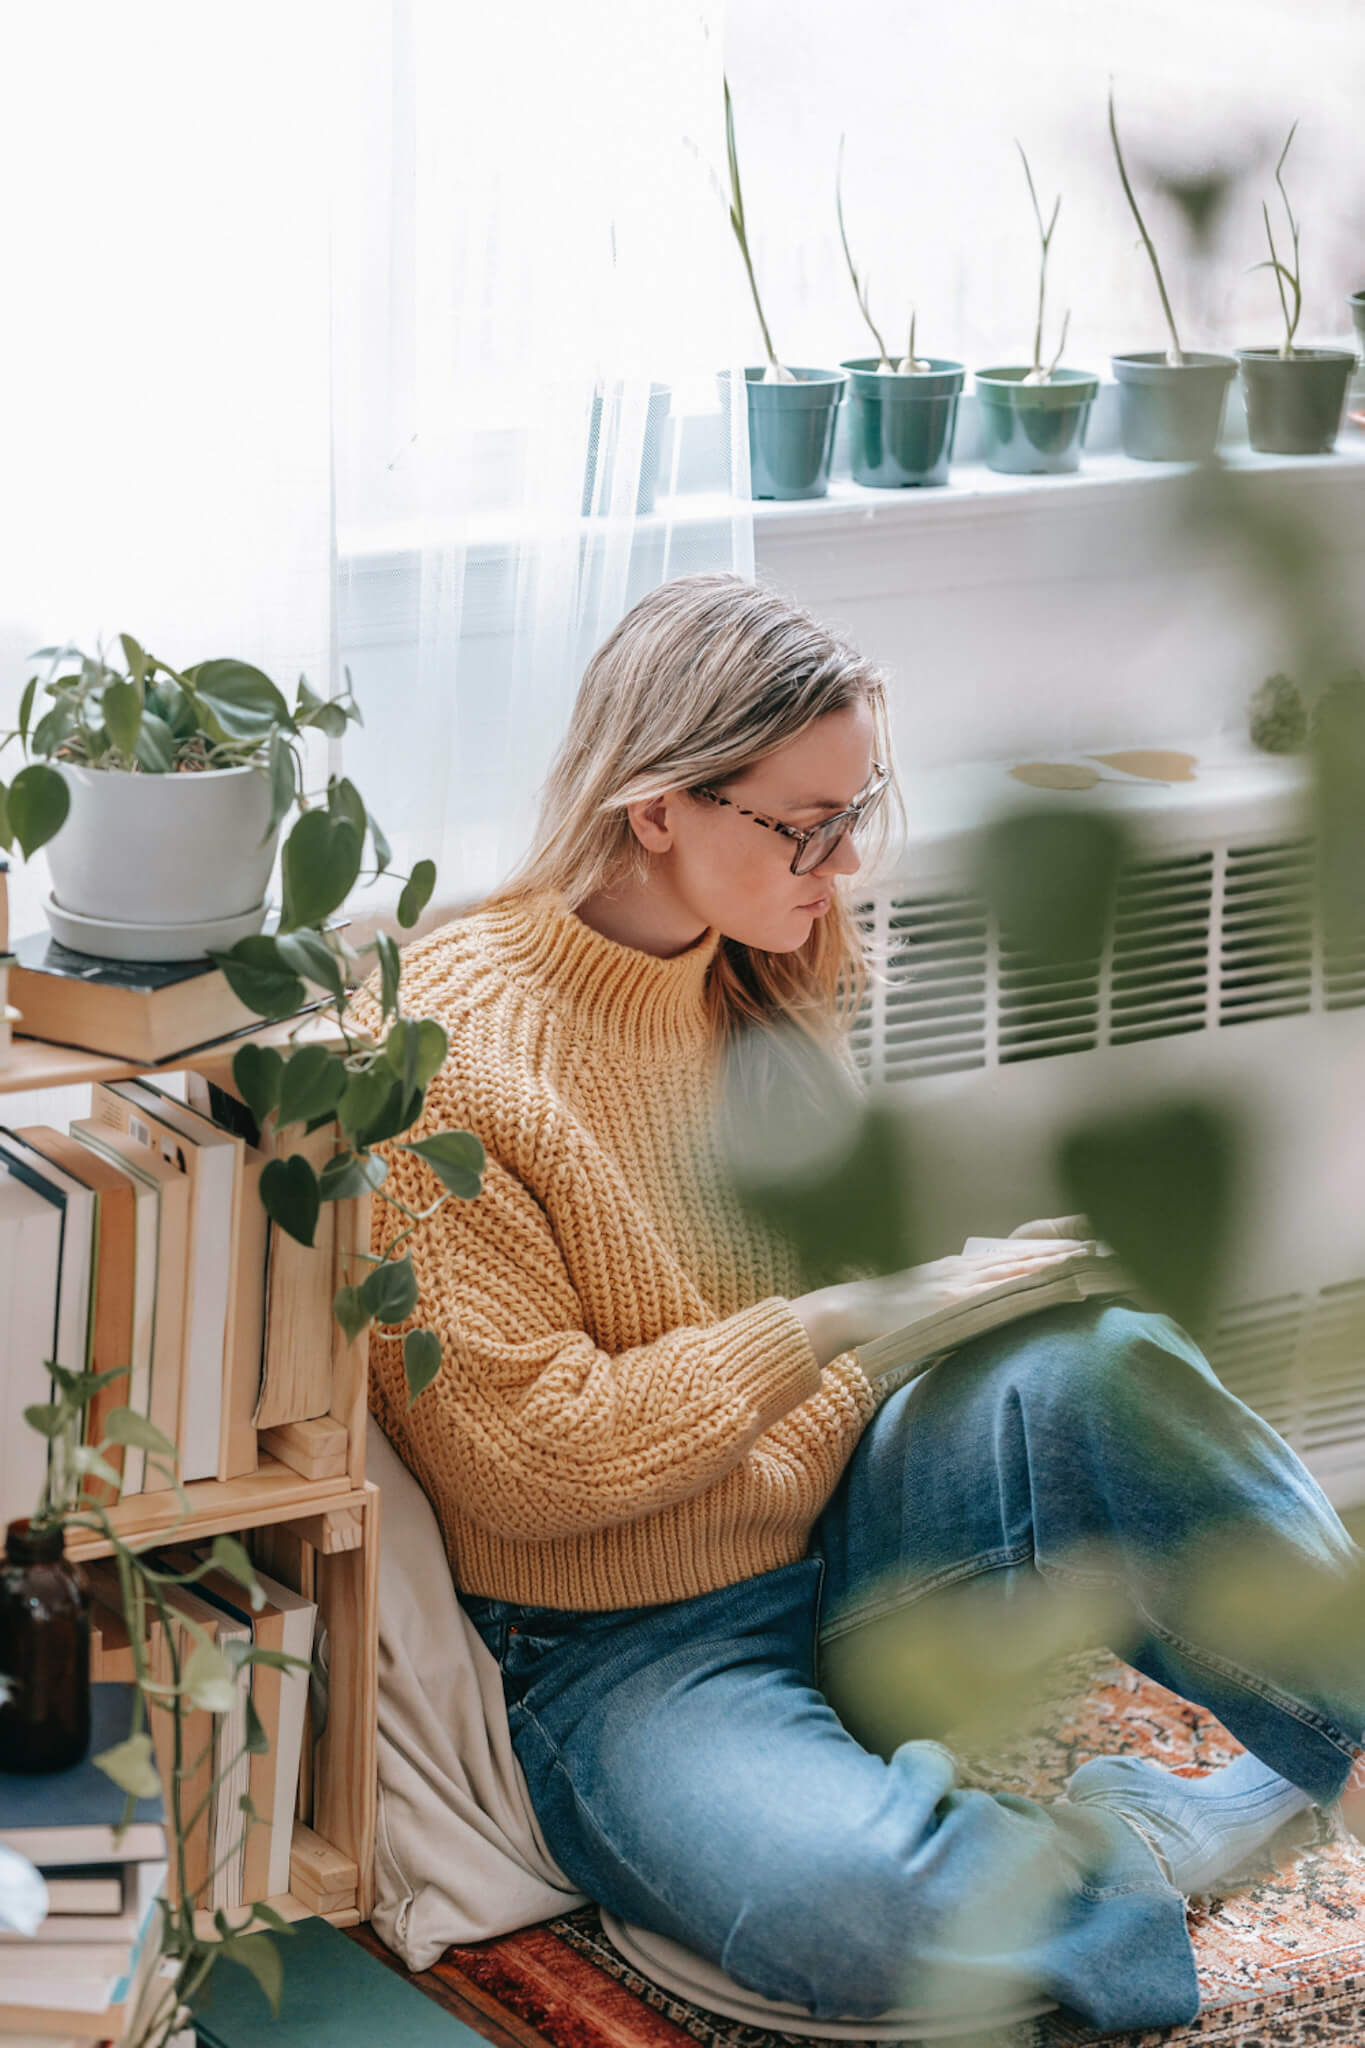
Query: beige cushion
x,y
459,1855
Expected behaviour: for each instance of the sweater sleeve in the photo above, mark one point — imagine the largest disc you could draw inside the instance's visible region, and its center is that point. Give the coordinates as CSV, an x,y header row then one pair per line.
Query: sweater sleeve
x,y
539,1432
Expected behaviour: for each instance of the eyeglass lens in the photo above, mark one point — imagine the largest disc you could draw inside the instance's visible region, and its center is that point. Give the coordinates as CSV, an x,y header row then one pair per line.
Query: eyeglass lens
x,y
826,837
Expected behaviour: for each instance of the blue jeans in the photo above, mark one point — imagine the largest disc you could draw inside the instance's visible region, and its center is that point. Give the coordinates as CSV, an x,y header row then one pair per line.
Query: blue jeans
x,y
691,1775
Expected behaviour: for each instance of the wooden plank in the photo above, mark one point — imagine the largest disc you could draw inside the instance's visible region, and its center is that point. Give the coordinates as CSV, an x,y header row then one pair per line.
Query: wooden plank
x,y
350,1362
316,1448
32,1063
336,1530
345,1764
270,1494
286,1905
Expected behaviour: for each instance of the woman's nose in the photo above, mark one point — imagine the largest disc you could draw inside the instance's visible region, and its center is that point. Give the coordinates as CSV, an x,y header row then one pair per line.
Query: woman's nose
x,y
843,860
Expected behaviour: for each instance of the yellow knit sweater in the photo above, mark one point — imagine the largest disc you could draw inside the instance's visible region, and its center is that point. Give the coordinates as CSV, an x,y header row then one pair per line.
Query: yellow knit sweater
x,y
627,1409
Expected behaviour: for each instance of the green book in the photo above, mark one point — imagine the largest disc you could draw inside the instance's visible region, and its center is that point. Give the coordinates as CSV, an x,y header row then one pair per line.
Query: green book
x,y
334,1992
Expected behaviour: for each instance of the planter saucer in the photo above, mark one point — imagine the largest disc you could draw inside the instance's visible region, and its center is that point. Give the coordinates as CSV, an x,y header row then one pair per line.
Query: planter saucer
x,y
119,939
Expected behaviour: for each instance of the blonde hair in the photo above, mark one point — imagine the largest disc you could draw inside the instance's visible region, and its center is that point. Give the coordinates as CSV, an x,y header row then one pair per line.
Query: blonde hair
x,y
703,677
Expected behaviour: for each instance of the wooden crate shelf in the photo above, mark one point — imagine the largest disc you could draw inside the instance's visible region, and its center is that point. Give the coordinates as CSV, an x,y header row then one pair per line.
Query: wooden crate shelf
x,y
335,1517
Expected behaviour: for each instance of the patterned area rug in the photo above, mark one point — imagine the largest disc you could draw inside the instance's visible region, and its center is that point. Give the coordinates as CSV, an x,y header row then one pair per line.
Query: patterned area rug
x,y
1281,1961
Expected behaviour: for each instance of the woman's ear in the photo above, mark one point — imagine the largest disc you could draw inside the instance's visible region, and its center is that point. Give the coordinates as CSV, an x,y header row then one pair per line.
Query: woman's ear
x,y
651,824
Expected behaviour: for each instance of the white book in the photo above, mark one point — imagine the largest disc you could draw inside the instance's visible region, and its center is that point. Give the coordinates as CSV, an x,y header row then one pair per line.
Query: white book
x,y
90,1977
74,1327
30,1254
299,1616
158,1121
134,1886
1081,1269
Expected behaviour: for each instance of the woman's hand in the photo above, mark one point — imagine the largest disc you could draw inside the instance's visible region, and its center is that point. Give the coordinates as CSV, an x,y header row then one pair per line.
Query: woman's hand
x,y
839,1318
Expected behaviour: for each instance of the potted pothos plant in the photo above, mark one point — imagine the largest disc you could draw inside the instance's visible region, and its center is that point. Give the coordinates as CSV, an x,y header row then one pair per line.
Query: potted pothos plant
x,y
902,412
792,412
1171,401
130,727
1034,415
159,793
1294,396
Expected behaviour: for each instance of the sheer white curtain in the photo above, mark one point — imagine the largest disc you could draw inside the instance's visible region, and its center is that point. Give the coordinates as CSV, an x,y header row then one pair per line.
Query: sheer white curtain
x,y
527,220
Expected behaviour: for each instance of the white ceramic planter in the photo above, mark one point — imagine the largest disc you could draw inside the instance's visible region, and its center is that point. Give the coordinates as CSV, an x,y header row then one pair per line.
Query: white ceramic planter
x,y
163,850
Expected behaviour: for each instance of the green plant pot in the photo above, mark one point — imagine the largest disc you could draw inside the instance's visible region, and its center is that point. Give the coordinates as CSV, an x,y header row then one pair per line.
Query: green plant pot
x,y
1294,403
660,397
1169,412
1358,314
791,432
1034,429
900,428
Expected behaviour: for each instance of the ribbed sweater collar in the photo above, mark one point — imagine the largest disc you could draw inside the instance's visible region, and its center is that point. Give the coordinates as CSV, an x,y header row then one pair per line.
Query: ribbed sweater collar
x,y
646,1007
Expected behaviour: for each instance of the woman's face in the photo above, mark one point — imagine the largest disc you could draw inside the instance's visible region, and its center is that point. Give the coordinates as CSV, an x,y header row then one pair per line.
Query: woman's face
x,y
727,870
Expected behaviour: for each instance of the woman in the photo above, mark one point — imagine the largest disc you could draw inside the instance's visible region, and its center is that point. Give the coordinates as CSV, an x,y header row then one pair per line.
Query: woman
x,y
670,1499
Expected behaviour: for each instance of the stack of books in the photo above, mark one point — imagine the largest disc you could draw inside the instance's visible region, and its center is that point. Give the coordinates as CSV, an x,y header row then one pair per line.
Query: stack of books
x,y
226,1863
146,1012
137,1239
79,1977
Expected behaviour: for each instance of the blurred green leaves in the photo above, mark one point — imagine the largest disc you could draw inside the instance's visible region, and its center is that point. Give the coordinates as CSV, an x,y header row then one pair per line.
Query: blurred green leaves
x,y
1157,1183
811,1160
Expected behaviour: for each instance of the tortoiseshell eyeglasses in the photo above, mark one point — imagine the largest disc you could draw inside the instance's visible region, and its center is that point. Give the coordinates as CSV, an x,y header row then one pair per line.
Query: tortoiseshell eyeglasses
x,y
817,844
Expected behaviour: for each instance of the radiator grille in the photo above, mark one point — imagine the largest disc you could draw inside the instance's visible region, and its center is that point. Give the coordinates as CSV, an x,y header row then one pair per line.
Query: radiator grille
x,y
1200,941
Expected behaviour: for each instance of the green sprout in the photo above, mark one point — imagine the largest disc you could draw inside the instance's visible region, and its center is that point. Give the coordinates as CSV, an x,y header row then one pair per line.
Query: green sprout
x,y
1284,275
775,372
1039,375
1175,355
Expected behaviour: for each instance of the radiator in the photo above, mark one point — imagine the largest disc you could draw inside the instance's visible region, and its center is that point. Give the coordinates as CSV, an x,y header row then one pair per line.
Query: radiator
x,y
1214,976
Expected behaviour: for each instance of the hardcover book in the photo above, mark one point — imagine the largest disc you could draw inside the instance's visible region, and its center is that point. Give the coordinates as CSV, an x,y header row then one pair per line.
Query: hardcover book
x,y
71,1816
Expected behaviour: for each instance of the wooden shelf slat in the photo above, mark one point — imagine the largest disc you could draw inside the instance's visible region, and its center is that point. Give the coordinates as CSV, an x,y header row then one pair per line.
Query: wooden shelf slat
x,y
32,1063
272,1493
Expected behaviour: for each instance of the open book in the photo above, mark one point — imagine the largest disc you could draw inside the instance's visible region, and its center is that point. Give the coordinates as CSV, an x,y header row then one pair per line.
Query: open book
x,y
1088,1268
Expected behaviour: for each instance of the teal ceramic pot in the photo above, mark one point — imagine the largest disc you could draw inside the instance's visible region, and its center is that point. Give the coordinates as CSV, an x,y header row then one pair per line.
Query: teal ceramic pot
x,y
1294,403
791,432
1170,412
656,414
1034,429
900,428
1358,314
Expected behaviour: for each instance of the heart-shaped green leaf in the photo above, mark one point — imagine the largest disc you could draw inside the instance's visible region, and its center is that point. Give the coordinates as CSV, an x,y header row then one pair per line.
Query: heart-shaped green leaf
x,y
283,772
347,1176
1051,877
320,864
344,801
309,954
126,1426
389,1290
390,970
351,1312
131,1765
415,1050
383,852
136,657
121,703
155,744
456,1158
256,1069
46,1417
26,710
259,978
6,833
231,1557
38,803
416,893
257,1742
312,1084
1157,1184
261,1911
375,1107
289,1190
53,727
421,1361
240,701
257,1953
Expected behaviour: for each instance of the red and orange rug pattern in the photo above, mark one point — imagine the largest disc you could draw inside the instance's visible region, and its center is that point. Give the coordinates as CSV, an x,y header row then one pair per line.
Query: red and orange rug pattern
x,y
1281,1960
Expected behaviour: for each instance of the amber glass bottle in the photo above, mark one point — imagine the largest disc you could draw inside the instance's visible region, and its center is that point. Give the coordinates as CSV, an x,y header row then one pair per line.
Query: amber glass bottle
x,y
44,1652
